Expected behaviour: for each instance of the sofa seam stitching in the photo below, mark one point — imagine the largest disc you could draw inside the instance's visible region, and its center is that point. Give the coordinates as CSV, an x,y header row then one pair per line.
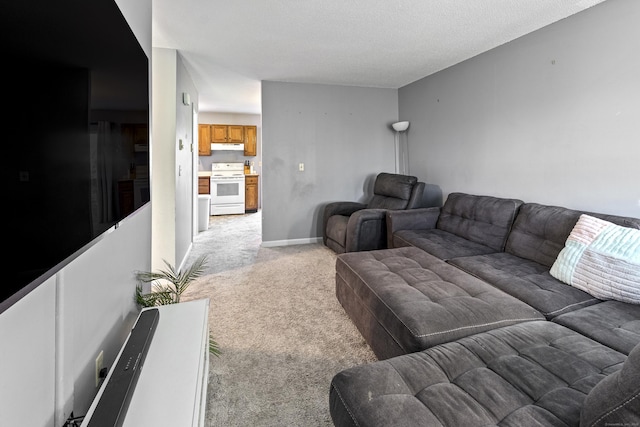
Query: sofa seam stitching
x,y
571,305
622,405
344,403
481,325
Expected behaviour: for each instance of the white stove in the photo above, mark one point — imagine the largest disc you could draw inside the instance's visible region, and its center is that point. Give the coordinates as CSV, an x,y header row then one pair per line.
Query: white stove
x,y
227,188
227,170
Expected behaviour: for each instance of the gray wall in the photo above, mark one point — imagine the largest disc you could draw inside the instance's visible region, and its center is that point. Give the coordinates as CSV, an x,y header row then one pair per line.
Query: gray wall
x,y
552,117
51,337
340,133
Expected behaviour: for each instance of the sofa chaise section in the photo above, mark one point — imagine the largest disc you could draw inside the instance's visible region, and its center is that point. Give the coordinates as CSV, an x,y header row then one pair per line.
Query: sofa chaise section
x,y
532,373
404,300
615,324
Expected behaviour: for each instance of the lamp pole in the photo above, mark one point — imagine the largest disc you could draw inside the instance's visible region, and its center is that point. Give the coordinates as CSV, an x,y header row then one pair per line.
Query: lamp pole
x,y
397,149
401,152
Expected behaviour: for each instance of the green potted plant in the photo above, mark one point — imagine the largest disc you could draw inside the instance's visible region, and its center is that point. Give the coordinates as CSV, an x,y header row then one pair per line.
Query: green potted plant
x,y
168,286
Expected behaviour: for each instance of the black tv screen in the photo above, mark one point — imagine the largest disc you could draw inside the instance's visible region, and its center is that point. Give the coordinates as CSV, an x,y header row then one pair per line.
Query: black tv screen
x,y
76,126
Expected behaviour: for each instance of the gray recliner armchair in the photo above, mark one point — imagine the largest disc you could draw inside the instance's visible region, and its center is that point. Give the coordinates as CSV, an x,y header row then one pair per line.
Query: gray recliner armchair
x,y
353,226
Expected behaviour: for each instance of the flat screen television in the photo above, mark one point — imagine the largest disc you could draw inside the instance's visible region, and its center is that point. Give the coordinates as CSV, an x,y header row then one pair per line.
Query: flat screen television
x,y
76,133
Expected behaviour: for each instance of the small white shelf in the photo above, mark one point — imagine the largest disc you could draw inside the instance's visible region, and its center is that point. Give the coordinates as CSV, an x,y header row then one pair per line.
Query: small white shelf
x,y
172,387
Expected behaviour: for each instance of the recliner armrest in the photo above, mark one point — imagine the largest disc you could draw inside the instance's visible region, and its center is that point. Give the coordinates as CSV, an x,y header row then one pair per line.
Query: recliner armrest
x,y
342,208
362,233
411,219
338,208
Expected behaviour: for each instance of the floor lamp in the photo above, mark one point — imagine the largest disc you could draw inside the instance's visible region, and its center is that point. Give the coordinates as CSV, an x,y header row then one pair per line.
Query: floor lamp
x,y
401,149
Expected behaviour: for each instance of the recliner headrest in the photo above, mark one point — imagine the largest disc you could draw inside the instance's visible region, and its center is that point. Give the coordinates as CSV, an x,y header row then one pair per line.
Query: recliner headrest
x,y
394,185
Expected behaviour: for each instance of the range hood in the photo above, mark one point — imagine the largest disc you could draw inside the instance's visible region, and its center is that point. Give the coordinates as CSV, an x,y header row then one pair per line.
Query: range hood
x,y
227,146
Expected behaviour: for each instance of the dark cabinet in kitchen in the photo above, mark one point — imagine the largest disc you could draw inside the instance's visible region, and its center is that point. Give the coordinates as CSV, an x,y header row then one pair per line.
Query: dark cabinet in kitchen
x,y
251,193
204,185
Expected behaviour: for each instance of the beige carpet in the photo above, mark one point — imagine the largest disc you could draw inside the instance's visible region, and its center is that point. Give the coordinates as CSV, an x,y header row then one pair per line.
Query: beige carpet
x,y
282,333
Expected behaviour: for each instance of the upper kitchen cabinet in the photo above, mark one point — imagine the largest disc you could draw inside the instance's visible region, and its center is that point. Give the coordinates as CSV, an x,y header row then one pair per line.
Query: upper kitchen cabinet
x,y
238,137
204,140
227,133
250,140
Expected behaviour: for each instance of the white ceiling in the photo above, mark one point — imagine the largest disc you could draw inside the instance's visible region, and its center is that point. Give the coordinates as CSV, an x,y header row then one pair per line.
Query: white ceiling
x,y
229,46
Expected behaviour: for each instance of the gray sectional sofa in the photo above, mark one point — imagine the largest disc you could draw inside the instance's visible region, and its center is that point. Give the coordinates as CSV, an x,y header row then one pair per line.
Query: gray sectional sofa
x,y
472,328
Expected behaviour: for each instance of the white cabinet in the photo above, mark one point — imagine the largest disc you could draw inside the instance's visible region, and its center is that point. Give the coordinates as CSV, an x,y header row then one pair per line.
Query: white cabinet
x,y
172,386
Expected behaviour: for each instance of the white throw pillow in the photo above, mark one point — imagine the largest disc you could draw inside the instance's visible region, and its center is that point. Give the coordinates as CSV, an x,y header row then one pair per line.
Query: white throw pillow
x,y
601,258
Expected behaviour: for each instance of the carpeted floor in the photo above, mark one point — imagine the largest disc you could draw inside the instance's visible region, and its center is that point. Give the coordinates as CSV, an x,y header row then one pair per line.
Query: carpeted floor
x,y
282,332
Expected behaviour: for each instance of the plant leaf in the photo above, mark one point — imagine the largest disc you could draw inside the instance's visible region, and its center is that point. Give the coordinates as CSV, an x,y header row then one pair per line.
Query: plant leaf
x,y
178,282
214,349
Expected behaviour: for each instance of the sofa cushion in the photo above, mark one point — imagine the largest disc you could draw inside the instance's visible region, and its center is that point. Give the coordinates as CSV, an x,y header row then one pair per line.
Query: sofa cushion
x,y
526,280
613,323
601,258
532,373
439,243
419,300
481,219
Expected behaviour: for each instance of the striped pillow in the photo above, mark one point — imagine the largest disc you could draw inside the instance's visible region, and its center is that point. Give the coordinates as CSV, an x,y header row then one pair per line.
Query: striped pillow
x,y
601,258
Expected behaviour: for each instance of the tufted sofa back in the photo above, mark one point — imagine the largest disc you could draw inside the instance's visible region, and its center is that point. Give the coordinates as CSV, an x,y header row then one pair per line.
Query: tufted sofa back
x,y
540,231
481,219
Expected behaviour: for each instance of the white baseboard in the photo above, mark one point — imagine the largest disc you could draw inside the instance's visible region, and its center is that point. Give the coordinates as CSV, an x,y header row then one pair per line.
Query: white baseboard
x,y
274,243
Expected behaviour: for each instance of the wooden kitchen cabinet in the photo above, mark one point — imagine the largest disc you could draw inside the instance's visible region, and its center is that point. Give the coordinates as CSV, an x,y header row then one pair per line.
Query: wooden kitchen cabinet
x,y
227,133
235,134
250,140
251,193
204,185
204,140
218,133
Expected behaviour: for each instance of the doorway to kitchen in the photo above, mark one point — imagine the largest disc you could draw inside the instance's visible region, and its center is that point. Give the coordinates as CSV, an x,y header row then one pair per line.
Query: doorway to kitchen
x,y
230,242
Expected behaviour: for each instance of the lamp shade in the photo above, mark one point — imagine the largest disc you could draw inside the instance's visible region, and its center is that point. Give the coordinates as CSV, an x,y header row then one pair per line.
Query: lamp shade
x,y
400,126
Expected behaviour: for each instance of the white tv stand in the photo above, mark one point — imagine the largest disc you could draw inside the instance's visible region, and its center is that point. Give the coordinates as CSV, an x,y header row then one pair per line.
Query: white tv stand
x,y
172,385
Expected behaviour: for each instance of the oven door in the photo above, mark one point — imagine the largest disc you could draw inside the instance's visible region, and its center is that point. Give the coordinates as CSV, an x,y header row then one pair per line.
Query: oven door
x,y
227,196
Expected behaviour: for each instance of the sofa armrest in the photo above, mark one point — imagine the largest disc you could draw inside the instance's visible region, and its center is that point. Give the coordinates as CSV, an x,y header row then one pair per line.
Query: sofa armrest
x,y
411,219
338,208
366,230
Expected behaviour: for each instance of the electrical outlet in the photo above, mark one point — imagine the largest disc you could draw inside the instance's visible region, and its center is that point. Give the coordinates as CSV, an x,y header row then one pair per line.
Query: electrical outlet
x,y
301,167
99,364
